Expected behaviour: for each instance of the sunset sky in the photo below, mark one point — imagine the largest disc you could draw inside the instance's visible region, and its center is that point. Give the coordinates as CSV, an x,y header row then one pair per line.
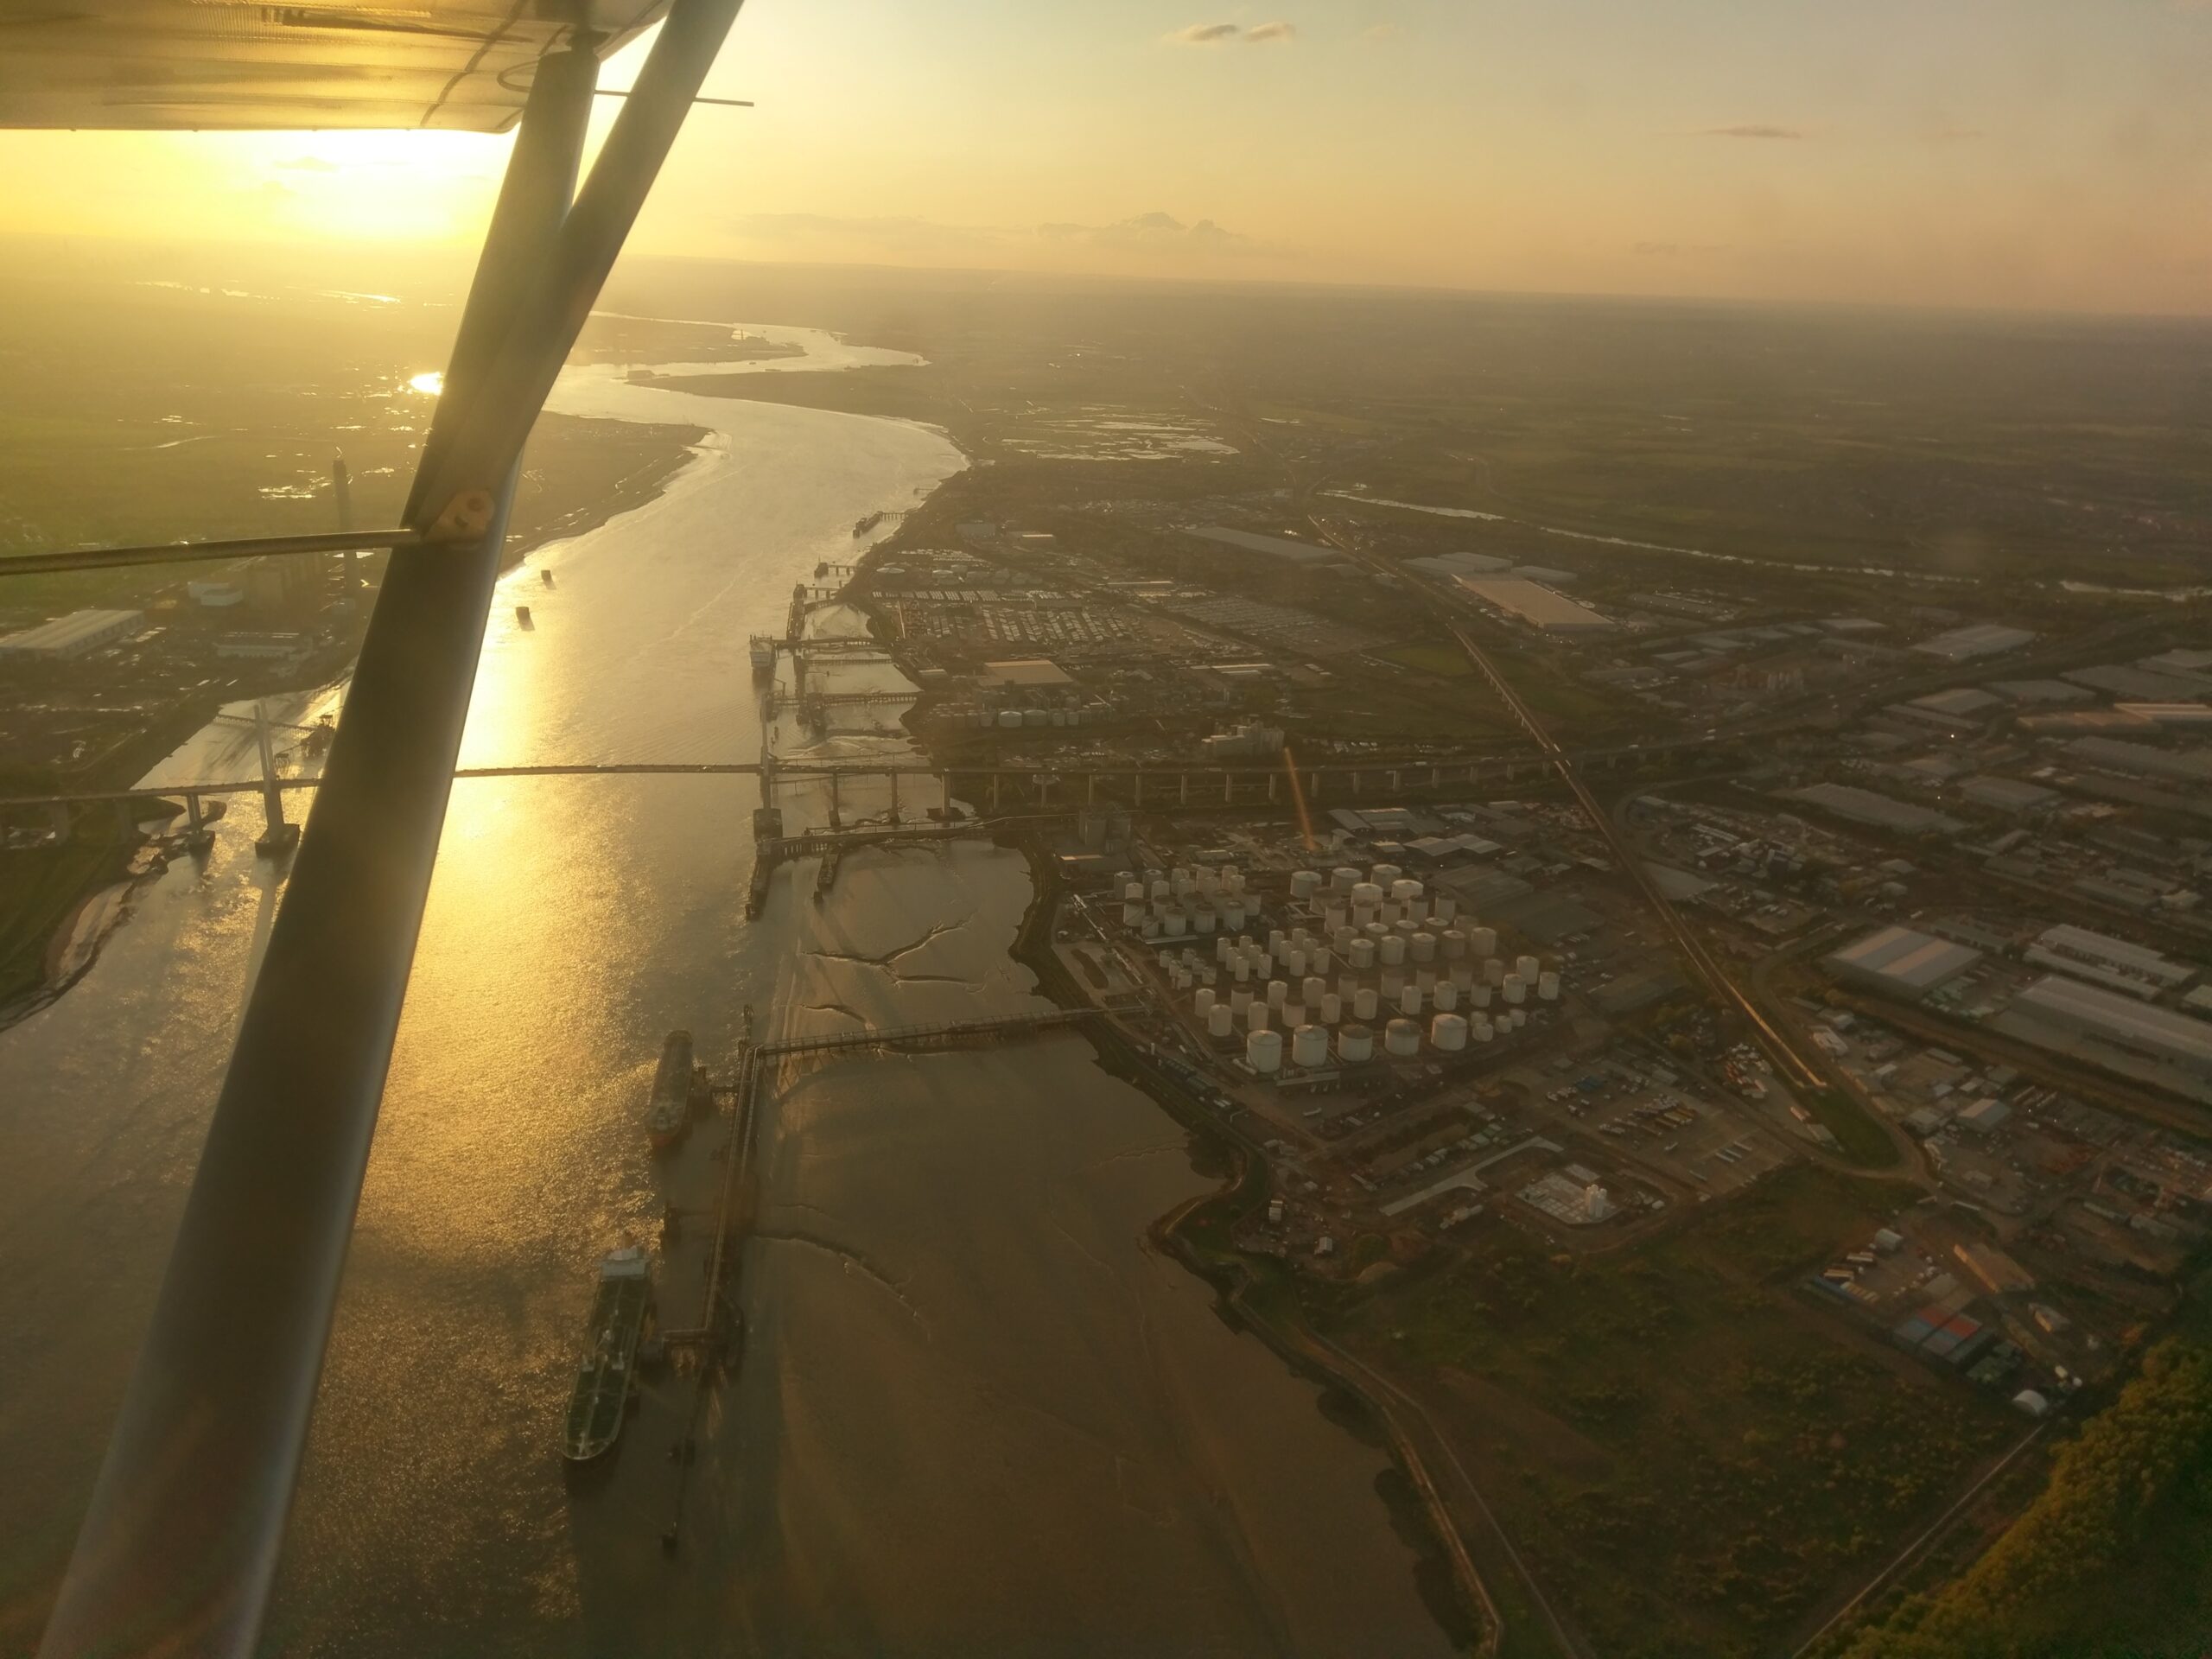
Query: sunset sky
x,y
2021,153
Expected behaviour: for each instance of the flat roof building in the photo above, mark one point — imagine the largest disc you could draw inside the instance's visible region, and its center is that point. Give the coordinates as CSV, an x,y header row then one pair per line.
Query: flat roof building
x,y
2114,1032
2141,760
1902,962
1536,605
70,636
1976,639
2008,795
1277,547
1865,806
1027,670
2115,963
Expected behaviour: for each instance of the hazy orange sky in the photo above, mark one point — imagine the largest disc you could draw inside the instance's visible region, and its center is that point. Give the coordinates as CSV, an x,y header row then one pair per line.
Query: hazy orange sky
x,y
2024,153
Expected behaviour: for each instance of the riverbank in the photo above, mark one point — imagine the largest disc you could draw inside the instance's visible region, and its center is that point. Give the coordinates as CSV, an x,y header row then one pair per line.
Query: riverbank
x,y
1200,1235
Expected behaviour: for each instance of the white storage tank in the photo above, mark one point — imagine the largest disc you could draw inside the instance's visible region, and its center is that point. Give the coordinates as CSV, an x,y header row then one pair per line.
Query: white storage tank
x,y
1309,1046
1333,1007
1355,1044
1334,918
1517,990
1365,895
1204,919
1133,891
1409,1001
1447,996
1175,921
1275,937
1221,944
1517,1019
1263,1052
1293,1016
1304,884
1483,1030
1422,947
1311,988
1010,719
1406,891
1202,1004
1402,1039
1346,985
1383,874
1526,967
1293,963
1448,1032
1232,914
1482,941
1158,888
1392,950
1362,955
1318,960
1478,995
1220,1022
1454,942
1133,913
1443,908
1256,1017
1278,993
1344,878
1548,986
1493,970
1232,879
1241,970
1240,999
1364,1003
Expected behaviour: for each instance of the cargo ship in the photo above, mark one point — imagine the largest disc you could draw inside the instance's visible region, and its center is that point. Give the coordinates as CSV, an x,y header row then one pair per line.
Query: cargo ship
x,y
670,1106
618,1319
763,655
861,527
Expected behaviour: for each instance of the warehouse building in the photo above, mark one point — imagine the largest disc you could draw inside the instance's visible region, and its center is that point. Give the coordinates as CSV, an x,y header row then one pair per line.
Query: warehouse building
x,y
1977,639
1865,806
2114,1032
71,636
1902,963
1536,605
2008,795
2140,759
2113,963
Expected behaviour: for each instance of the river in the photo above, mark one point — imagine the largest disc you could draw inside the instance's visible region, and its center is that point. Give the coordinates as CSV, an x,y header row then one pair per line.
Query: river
x,y
976,1414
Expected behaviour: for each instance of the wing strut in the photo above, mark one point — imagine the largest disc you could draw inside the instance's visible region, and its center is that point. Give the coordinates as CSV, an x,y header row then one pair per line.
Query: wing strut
x,y
180,1545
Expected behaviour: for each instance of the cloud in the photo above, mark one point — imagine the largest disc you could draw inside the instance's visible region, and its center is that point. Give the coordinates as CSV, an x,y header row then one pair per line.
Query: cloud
x,y
1381,32
307,164
1215,34
1154,234
1751,129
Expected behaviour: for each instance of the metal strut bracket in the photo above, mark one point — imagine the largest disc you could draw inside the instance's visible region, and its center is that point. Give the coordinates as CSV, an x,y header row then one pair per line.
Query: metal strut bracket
x,y
179,1544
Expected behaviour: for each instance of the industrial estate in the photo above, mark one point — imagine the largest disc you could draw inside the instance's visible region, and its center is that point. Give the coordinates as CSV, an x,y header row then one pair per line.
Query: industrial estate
x,y
1705,1051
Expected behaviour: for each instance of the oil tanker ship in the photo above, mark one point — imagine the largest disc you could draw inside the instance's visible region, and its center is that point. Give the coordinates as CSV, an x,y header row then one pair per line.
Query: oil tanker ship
x,y
617,1318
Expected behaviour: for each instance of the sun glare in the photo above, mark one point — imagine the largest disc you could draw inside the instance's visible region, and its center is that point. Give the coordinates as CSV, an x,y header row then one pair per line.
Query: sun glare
x,y
430,382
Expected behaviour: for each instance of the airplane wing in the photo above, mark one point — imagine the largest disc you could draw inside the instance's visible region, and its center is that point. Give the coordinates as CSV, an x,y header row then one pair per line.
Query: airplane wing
x,y
460,66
